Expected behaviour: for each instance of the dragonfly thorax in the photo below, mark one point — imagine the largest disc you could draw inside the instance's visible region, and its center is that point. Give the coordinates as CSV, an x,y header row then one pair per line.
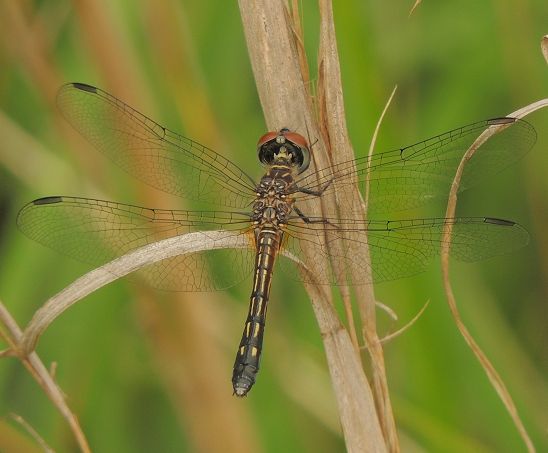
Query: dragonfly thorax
x,y
272,205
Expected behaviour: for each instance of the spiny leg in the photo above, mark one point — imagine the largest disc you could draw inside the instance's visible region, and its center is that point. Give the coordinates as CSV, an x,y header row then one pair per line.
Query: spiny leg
x,y
310,220
316,193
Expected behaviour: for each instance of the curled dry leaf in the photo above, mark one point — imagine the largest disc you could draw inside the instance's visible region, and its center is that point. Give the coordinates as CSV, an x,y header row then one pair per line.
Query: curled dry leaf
x,y
407,326
492,374
97,278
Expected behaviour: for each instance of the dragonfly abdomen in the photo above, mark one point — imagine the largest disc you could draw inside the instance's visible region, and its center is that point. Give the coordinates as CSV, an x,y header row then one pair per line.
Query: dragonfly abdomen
x,y
246,365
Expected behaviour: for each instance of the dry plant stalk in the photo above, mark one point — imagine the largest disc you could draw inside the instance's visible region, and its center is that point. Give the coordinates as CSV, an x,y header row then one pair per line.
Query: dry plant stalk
x,y
274,47
126,264
39,372
333,123
33,433
414,7
492,374
369,322
406,327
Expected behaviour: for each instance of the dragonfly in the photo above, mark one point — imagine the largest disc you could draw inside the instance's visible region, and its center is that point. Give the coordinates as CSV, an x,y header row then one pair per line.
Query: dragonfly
x,y
280,215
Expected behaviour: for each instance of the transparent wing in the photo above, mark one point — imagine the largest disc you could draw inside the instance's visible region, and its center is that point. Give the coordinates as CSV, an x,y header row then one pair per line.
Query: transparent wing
x,y
398,248
408,177
96,231
151,152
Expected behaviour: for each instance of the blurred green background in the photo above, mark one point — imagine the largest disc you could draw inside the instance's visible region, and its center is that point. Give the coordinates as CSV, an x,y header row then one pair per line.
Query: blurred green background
x,y
147,371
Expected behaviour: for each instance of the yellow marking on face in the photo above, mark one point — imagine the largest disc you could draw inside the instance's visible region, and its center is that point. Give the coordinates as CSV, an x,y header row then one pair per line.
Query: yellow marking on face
x,y
254,351
256,330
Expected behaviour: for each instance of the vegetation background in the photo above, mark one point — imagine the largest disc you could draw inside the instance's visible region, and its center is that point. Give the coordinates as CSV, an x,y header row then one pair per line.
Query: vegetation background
x,y
147,371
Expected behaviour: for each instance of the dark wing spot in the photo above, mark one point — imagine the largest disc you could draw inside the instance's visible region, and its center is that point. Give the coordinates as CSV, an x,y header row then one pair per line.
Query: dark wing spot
x,y
503,120
48,200
500,222
84,87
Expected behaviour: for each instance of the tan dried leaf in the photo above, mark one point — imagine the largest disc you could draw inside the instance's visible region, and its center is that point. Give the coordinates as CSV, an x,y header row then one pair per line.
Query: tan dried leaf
x,y
493,376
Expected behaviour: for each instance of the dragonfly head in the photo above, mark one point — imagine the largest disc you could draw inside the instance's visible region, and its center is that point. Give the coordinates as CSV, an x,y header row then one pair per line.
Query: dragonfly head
x,y
284,147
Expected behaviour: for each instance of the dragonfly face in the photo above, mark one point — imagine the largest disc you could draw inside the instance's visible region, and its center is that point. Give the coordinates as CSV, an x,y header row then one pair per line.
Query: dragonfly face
x,y
286,215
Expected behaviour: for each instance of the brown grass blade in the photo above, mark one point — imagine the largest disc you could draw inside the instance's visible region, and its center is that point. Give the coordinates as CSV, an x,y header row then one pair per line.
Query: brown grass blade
x,y
407,326
333,122
492,374
101,276
414,7
13,335
273,50
33,433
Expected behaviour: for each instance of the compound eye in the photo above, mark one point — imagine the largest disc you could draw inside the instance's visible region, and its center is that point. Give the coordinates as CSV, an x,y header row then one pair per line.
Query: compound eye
x,y
297,139
266,147
266,138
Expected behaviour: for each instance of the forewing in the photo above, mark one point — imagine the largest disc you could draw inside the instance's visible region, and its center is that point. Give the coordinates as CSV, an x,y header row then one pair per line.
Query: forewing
x,y
151,152
96,231
398,248
409,177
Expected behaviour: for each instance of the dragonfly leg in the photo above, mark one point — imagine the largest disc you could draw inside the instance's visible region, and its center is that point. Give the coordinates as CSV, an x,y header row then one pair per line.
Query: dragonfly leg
x,y
316,193
309,220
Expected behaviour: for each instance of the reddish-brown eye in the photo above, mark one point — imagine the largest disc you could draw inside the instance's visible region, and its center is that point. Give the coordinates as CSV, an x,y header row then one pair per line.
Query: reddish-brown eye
x,y
298,139
266,138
